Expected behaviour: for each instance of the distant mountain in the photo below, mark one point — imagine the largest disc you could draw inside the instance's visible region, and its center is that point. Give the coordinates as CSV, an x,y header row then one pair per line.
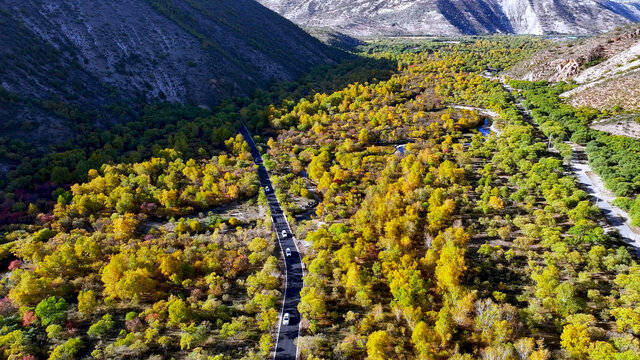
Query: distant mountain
x,y
606,68
456,17
61,57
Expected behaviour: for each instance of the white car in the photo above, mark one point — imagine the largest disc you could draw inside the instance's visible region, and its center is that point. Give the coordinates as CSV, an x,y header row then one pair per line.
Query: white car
x,y
288,252
266,189
284,233
285,319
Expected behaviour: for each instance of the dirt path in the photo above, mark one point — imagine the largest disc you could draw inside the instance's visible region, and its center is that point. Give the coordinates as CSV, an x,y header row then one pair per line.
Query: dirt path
x,y
623,125
593,185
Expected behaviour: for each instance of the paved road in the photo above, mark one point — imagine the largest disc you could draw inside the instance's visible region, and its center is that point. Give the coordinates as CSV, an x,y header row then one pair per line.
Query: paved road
x,y
286,348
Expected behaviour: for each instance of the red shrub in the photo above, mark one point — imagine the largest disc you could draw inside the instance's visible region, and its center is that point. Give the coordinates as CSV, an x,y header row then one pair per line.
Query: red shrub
x,y
28,318
15,264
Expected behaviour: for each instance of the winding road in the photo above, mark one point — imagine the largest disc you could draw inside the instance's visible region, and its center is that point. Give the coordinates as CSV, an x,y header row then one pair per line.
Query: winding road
x,y
286,348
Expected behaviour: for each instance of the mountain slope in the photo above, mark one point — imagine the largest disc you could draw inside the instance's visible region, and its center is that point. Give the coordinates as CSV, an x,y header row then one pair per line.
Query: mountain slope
x,y
606,68
456,17
61,56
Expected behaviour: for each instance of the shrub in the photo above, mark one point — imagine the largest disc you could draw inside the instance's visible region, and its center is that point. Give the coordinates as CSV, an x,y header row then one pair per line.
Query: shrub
x,y
101,327
52,311
67,351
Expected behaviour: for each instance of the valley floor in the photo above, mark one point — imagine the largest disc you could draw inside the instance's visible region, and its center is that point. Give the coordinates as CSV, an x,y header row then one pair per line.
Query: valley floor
x,y
458,245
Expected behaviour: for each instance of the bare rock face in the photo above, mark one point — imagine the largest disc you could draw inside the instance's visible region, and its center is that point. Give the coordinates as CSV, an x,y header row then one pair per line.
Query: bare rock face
x,y
556,70
455,17
90,54
567,70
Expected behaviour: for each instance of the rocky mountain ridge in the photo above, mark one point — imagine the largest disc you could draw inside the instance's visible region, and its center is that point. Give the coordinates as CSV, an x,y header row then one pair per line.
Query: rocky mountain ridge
x,y
459,17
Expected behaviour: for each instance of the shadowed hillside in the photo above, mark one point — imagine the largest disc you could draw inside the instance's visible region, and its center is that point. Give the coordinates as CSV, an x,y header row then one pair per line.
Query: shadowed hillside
x,y
68,62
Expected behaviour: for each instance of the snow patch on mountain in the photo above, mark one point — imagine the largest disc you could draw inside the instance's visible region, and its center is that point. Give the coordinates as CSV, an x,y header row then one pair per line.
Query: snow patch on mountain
x,y
455,17
523,16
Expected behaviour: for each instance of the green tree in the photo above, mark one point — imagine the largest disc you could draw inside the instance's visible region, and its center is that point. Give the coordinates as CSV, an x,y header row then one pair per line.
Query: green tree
x,y
566,299
600,350
60,175
68,350
192,336
101,327
52,311
126,204
179,311
54,331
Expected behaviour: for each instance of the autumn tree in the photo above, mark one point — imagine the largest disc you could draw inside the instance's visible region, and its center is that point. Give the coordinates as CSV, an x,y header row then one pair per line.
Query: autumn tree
x,y
378,345
575,339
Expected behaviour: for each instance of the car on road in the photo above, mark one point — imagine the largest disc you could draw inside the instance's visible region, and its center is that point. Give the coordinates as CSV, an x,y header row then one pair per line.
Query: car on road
x,y
266,189
288,252
285,319
284,233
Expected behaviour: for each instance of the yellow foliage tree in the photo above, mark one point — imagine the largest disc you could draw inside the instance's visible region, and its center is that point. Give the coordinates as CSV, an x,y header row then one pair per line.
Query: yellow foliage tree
x,y
450,267
378,345
575,339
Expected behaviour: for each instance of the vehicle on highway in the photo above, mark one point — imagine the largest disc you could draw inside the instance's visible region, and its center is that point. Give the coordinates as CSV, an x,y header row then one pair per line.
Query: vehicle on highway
x,y
285,319
266,189
284,233
288,252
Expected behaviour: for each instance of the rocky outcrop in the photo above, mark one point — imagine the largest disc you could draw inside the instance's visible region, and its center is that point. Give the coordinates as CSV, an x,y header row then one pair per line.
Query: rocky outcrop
x,y
557,70
456,17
